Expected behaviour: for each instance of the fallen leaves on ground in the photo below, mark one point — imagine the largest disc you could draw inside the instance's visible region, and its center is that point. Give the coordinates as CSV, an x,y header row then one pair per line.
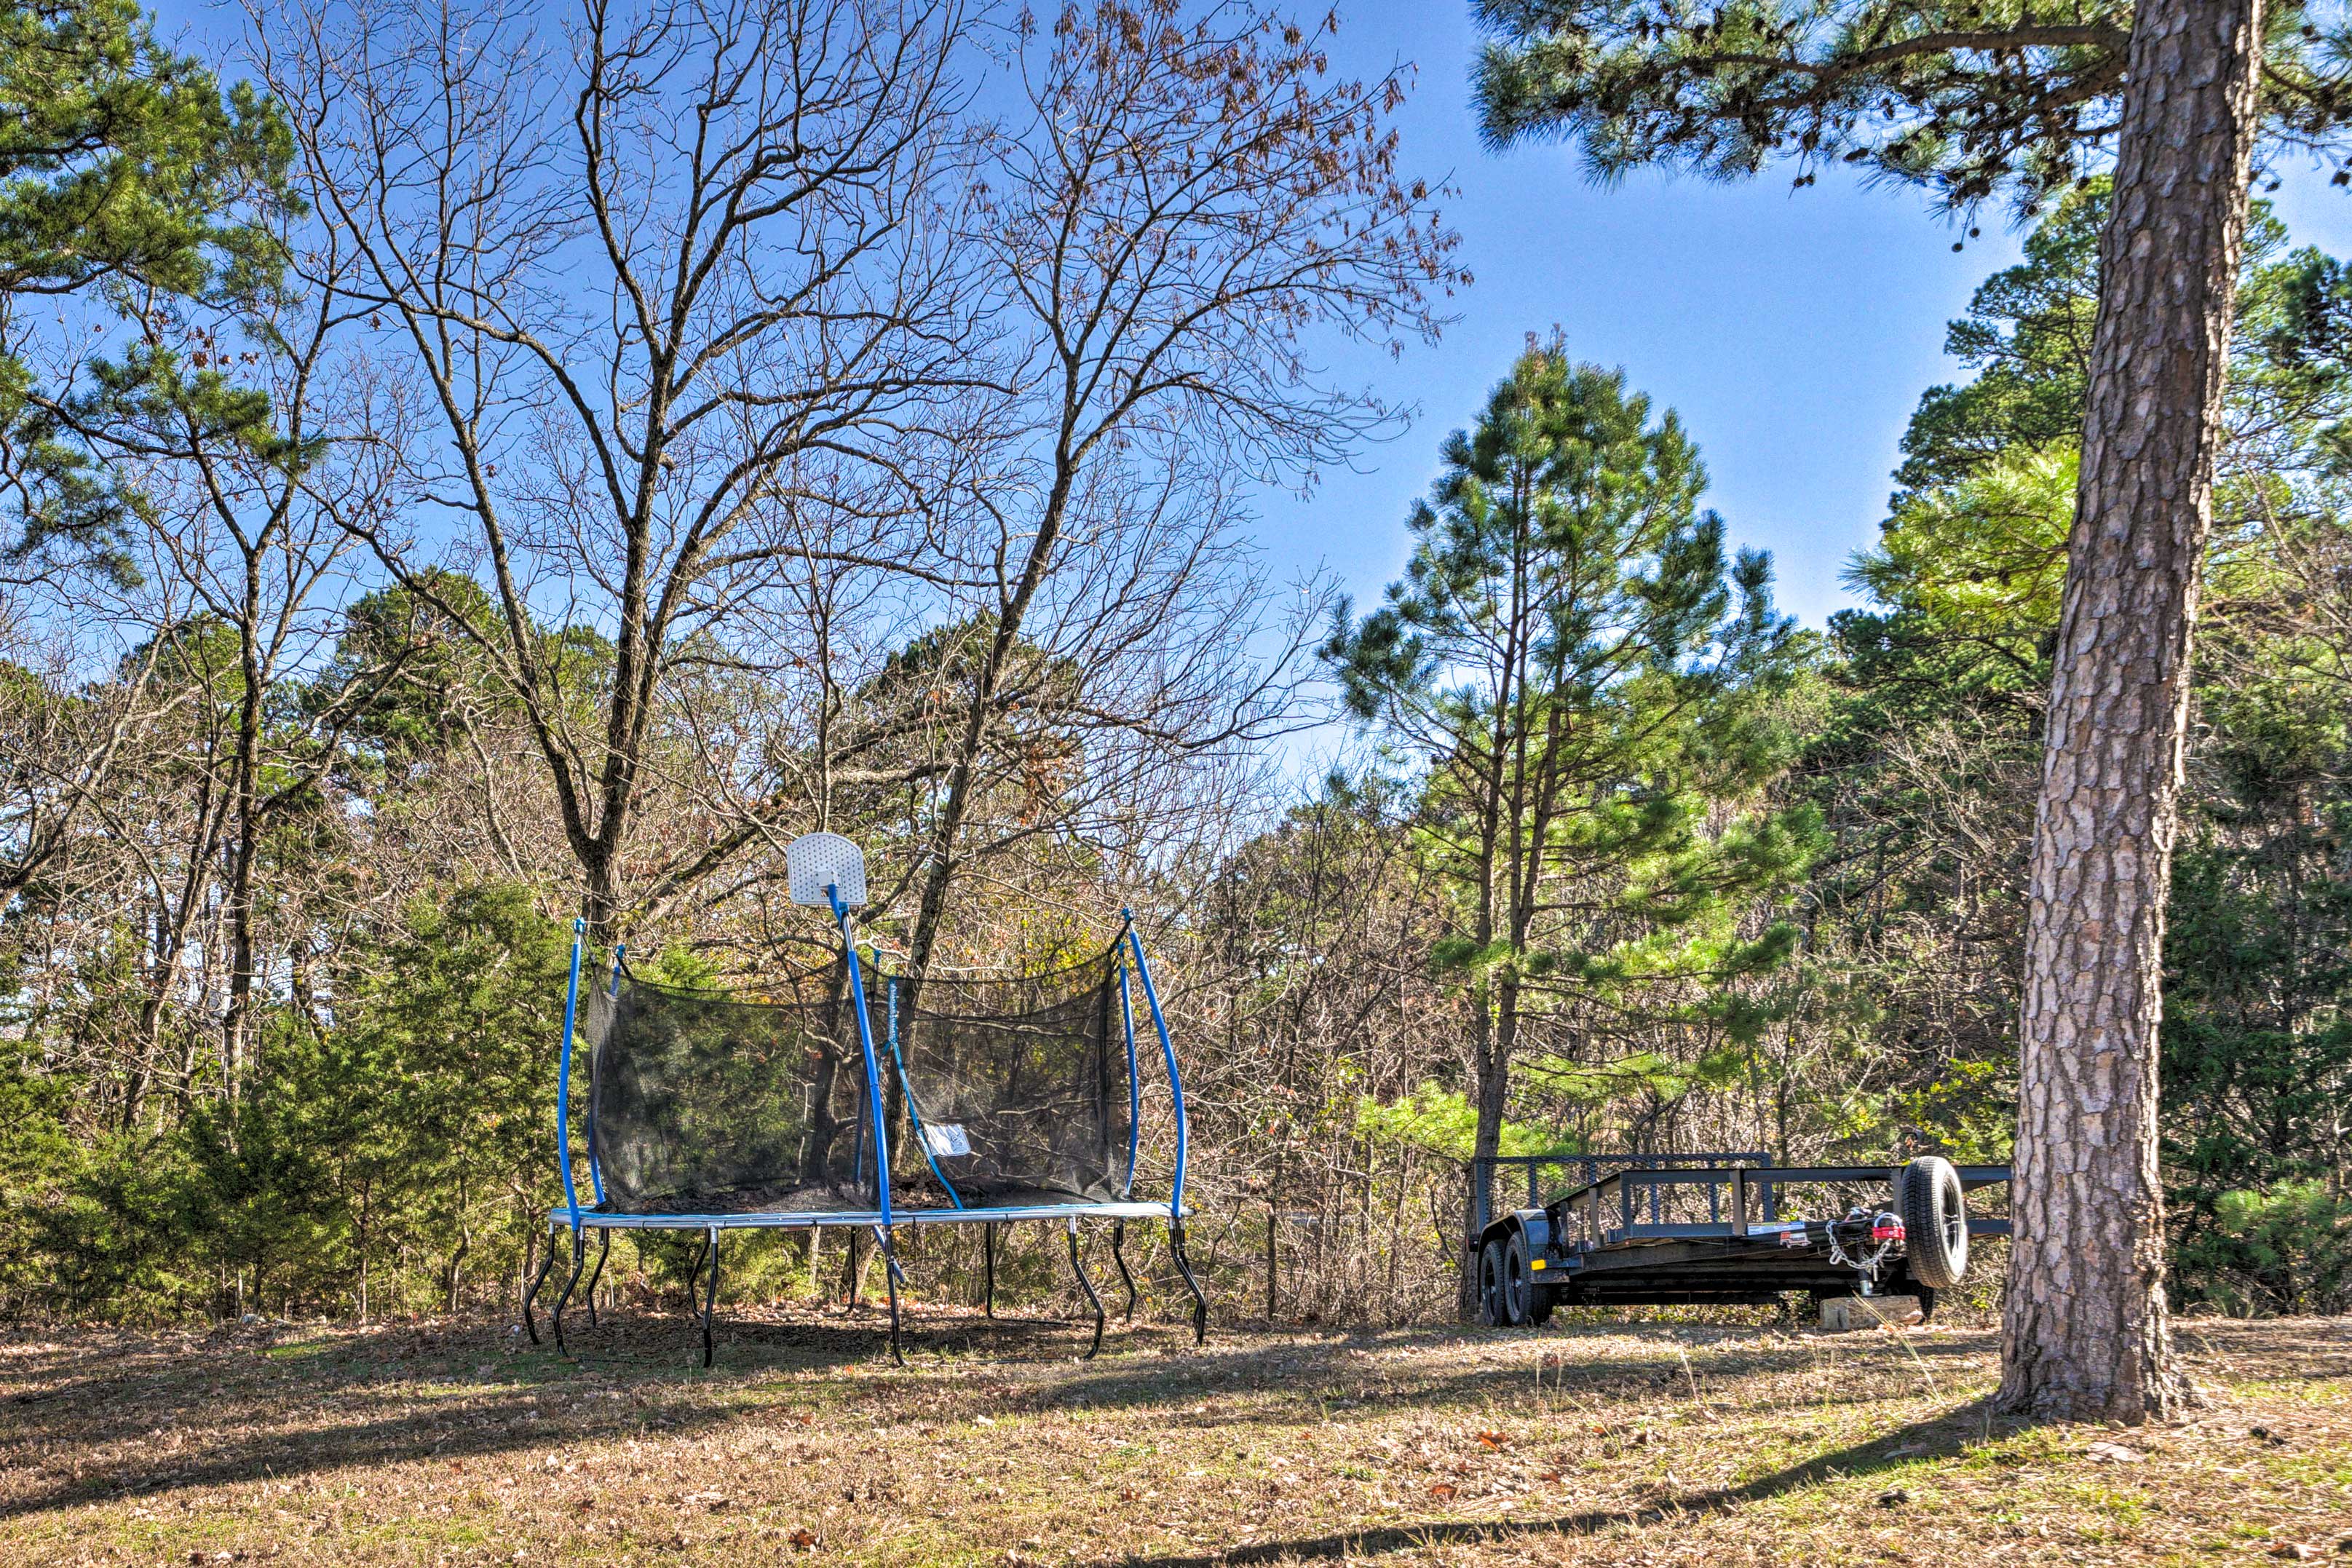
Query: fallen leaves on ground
x,y
302,1447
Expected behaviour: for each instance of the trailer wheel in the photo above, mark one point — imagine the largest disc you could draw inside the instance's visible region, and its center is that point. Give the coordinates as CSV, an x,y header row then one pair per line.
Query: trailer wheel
x,y
1524,1303
1534,1301
1491,1306
1935,1222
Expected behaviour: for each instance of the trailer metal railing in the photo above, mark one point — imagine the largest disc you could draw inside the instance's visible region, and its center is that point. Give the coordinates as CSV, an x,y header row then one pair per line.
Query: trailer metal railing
x,y
1590,1169
1608,1211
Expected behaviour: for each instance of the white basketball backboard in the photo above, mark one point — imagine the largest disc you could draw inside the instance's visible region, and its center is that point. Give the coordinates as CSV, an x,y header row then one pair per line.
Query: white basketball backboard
x,y
815,861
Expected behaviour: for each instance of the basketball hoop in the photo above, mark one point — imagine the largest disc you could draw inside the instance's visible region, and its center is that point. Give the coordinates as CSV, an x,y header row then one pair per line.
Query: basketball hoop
x,y
816,862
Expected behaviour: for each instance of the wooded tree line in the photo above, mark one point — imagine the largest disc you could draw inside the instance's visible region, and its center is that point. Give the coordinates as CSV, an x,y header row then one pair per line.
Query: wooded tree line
x,y
481,474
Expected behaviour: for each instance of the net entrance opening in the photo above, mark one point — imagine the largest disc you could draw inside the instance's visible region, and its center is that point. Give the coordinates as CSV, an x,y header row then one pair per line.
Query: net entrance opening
x,y
708,1104
1019,1086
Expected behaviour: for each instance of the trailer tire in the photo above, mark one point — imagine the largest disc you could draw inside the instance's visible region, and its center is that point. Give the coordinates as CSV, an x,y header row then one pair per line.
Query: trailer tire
x,y
1525,1302
1541,1296
1491,1306
1935,1222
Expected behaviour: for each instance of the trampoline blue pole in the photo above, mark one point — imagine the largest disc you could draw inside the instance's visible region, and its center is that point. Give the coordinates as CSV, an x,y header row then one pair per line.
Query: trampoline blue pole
x,y
866,1043
1175,1078
563,1081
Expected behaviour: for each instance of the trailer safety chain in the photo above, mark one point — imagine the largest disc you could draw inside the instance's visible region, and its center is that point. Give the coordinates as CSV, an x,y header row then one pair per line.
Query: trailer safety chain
x,y
1885,1229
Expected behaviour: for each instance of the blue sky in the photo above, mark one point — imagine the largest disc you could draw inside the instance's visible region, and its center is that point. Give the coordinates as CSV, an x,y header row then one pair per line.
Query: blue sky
x,y
1793,332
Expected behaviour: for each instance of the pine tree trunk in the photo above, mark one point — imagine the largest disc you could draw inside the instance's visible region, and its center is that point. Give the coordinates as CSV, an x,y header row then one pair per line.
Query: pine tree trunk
x,y
1486,1089
1489,1085
2085,1334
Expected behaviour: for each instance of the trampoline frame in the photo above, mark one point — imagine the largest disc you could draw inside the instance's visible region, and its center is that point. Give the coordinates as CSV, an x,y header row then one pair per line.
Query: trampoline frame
x,y
883,1219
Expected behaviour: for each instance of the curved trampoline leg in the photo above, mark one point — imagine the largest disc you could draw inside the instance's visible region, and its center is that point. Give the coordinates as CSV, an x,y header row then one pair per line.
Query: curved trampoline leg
x,y
890,1283
709,1294
579,1262
1184,1267
530,1323
1087,1285
603,1247
1118,1234
988,1251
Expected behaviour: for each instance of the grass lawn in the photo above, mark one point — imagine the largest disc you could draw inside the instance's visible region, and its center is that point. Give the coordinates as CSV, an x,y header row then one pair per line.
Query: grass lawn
x,y
1622,1444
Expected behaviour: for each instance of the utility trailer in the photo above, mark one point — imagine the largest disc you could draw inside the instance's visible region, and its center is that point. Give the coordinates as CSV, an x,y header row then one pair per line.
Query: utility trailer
x,y
1722,1228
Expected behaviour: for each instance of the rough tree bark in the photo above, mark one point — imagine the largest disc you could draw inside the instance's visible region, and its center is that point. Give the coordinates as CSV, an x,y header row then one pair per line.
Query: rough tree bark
x,y
2086,1334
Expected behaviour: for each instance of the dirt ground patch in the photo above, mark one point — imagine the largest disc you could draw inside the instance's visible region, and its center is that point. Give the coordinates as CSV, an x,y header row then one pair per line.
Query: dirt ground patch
x,y
1618,1443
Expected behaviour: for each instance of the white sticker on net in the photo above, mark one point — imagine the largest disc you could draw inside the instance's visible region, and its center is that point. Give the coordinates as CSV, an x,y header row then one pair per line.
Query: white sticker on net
x,y
945,1142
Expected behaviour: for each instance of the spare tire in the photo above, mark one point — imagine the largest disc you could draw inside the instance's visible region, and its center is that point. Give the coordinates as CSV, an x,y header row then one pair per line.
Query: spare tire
x,y
1935,1222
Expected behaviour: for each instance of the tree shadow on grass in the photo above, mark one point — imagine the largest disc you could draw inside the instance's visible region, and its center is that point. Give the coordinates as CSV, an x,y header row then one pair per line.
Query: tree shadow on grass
x,y
147,1421
123,1417
1941,1437
1323,1379
752,1339
2269,1349
98,1421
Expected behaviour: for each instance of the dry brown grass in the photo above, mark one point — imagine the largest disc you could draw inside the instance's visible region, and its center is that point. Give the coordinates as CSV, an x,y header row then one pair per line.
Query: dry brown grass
x,y
1619,1444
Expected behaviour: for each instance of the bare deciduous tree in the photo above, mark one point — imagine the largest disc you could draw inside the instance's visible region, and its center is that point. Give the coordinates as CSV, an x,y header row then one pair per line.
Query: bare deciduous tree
x,y
1180,203
638,269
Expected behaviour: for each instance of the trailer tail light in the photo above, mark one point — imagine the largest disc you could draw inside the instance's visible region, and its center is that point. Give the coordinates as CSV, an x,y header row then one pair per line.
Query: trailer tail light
x,y
1886,1230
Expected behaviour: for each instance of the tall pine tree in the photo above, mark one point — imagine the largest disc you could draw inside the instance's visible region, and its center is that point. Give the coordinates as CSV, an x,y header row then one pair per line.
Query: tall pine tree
x,y
1586,674
126,172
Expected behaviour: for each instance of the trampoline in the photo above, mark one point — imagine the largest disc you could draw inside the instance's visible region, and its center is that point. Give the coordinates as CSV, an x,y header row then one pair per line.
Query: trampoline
x,y
1008,1099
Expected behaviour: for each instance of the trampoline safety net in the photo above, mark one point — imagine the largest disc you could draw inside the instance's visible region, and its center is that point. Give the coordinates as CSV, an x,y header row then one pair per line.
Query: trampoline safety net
x,y
706,1104
1019,1088
1009,1091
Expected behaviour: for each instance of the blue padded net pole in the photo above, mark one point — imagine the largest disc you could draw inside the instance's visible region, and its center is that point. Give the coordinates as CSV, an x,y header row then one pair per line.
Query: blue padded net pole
x,y
1168,1050
563,1081
866,1043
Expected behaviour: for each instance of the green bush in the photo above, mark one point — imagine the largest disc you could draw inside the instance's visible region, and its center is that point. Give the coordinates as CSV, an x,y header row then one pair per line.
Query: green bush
x,y
2288,1250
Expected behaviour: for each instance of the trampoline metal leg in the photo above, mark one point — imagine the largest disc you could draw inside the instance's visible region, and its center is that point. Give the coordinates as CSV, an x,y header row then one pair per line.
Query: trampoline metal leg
x,y
546,1262
1184,1267
709,1294
1087,1285
1118,1234
890,1283
579,1262
988,1252
854,1262
603,1247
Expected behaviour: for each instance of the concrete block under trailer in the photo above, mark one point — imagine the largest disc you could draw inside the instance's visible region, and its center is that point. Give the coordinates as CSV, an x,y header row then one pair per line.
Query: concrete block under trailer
x,y
1593,1247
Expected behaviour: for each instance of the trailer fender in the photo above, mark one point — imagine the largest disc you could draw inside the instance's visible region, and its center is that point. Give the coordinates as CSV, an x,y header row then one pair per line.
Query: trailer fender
x,y
1534,1224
